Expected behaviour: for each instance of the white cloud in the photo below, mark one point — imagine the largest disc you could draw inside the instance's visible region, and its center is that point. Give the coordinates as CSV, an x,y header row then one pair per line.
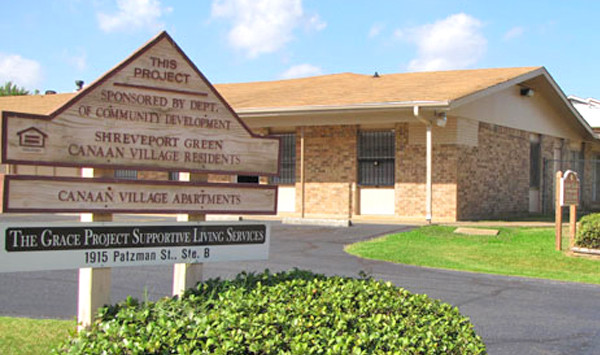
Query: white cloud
x,y
21,71
315,23
134,15
263,26
78,60
514,32
452,43
375,30
301,70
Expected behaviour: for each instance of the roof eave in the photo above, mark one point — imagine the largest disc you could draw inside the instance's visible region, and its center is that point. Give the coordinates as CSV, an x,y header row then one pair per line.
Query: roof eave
x,y
332,109
541,71
454,103
570,106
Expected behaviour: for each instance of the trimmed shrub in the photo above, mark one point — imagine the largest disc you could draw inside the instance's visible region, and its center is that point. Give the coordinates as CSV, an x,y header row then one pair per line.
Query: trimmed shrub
x,y
588,233
295,312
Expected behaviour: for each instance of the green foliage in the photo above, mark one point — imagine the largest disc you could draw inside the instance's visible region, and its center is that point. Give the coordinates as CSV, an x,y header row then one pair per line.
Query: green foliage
x,y
10,89
588,235
295,312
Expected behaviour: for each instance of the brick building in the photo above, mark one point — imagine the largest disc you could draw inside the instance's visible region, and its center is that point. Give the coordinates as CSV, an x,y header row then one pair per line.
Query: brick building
x,y
442,146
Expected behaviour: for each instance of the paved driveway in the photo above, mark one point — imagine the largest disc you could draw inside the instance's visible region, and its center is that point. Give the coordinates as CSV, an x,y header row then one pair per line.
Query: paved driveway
x,y
513,315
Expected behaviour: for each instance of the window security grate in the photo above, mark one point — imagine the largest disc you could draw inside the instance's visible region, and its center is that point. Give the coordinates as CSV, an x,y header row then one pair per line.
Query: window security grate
x,y
287,169
376,158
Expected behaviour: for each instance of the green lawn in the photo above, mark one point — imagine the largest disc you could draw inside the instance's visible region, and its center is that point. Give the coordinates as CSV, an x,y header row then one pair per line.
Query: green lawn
x,y
32,336
525,252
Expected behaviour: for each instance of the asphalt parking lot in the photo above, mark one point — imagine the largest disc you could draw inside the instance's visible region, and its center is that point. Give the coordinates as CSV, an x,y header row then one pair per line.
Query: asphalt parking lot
x,y
513,315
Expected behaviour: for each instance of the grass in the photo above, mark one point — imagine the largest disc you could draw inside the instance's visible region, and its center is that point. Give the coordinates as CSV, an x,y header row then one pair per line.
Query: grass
x,y
527,252
32,336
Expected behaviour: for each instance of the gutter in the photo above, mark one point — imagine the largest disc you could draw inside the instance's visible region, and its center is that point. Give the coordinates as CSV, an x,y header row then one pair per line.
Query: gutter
x,y
330,109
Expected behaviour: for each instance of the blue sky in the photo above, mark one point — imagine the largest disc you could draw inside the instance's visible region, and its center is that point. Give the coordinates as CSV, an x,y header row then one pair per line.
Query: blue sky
x,y
51,43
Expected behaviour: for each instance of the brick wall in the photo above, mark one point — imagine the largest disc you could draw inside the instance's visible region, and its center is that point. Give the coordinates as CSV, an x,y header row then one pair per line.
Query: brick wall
x,y
587,193
330,170
493,178
489,180
411,167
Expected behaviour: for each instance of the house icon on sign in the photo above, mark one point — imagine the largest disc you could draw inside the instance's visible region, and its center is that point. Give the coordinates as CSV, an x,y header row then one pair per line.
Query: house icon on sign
x,y
32,137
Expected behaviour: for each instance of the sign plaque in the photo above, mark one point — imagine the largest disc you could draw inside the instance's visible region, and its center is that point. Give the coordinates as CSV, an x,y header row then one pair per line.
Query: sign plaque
x,y
34,247
569,192
39,194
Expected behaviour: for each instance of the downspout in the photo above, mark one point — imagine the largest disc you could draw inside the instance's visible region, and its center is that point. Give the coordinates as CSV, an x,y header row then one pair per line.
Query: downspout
x,y
429,162
302,175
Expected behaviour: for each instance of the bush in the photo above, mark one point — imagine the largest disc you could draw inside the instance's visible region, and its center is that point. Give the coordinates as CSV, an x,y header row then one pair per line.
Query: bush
x,y
588,234
295,312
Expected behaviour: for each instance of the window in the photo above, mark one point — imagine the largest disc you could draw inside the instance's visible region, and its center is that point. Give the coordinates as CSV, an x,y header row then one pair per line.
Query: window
x,y
173,175
376,162
248,179
126,174
577,162
287,168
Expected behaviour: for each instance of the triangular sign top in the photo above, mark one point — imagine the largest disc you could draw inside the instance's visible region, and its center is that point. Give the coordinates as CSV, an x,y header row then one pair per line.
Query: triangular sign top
x,y
154,111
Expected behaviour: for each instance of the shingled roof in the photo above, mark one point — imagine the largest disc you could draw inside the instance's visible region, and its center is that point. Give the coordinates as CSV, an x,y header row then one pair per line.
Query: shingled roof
x,y
35,104
356,89
327,90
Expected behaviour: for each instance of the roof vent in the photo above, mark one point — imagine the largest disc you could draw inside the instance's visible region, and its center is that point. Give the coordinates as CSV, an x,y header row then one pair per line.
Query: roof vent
x,y
50,92
376,75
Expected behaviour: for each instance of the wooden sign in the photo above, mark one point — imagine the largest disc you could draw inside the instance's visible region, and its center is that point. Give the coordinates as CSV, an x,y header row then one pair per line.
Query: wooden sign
x,y
35,194
569,192
154,111
83,245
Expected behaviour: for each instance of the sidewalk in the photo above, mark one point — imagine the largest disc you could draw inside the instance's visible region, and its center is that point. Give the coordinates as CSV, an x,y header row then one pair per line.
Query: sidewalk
x,y
539,224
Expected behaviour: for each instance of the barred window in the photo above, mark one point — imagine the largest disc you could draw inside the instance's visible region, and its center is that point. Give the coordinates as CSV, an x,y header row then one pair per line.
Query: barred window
x,y
376,158
248,179
287,168
173,175
126,174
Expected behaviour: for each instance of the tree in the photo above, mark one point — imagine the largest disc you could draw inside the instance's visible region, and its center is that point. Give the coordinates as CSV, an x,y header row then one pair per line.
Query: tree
x,y
10,89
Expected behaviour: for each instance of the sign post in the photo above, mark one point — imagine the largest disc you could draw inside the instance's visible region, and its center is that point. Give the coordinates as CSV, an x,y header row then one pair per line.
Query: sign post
x,y
188,275
94,284
567,194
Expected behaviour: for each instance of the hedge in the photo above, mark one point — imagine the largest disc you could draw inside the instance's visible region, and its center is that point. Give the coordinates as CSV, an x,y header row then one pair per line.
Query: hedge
x,y
588,234
294,312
